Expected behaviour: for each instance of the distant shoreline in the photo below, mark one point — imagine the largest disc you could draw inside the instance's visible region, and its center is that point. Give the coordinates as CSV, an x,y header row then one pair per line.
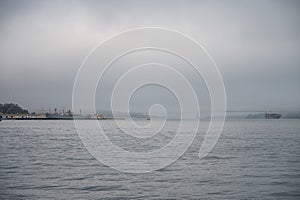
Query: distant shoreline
x,y
11,119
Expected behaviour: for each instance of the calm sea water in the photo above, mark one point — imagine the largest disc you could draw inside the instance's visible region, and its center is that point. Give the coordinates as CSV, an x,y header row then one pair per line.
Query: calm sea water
x,y
257,159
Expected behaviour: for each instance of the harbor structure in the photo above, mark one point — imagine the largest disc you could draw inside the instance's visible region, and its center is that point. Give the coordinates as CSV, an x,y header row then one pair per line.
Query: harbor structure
x,y
22,116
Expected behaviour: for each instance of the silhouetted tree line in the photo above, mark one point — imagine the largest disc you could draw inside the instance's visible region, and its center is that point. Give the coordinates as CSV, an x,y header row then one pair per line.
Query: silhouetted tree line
x,y
11,108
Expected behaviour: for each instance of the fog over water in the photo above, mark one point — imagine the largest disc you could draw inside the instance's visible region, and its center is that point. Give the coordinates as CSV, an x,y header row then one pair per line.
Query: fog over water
x,y
109,139
255,45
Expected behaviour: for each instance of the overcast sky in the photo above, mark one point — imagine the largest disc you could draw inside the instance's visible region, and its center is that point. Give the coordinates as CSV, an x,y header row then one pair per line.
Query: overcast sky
x,y
255,44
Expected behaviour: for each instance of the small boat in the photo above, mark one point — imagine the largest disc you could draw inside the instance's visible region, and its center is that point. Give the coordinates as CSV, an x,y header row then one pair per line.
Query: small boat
x,y
272,115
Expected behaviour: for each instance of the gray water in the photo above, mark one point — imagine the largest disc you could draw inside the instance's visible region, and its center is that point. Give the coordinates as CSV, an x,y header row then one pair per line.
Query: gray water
x,y
253,159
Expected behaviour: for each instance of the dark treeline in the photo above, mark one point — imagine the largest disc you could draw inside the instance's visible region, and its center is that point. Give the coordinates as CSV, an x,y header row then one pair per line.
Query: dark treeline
x,y
11,108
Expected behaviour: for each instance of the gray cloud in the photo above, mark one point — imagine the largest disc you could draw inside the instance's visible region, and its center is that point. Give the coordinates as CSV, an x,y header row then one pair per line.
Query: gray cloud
x,y
255,44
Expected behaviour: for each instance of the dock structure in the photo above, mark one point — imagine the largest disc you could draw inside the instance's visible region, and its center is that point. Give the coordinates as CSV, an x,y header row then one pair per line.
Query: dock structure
x,y
55,116
22,116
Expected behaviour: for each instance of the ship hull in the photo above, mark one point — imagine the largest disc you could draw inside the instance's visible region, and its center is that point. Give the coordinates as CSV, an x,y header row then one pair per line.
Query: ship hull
x,y
272,116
